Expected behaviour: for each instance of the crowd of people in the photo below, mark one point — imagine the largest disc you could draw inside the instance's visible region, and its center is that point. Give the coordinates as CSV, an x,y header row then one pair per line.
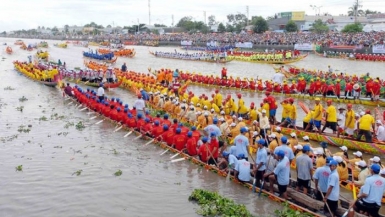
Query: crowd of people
x,y
192,56
274,153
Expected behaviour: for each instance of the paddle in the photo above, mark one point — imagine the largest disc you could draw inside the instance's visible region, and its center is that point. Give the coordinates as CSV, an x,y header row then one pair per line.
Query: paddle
x,y
70,103
350,207
129,133
83,109
255,175
177,160
179,152
93,117
99,122
164,152
118,128
137,137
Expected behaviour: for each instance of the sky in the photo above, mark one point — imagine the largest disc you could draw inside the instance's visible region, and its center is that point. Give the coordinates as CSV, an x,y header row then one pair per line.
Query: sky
x,y
28,14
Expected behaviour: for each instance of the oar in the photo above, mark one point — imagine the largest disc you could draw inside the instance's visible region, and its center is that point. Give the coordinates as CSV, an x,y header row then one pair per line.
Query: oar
x,y
70,103
149,142
92,118
83,109
164,152
90,113
117,129
137,137
129,133
99,122
179,152
81,105
347,211
177,160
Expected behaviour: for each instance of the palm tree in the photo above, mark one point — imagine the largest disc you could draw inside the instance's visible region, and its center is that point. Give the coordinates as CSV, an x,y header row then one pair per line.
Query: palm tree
x,y
353,9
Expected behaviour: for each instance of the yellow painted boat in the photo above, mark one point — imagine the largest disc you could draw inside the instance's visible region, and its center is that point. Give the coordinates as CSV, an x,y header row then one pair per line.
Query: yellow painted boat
x,y
248,59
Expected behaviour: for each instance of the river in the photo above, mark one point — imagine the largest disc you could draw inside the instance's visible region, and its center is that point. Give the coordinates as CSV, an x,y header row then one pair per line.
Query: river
x,y
54,149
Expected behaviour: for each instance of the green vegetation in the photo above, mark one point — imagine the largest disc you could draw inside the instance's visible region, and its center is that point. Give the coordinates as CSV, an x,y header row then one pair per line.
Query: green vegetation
x,y
19,168
291,26
77,172
118,173
80,126
9,88
260,24
22,99
319,26
352,28
69,124
20,108
212,204
43,118
22,129
287,212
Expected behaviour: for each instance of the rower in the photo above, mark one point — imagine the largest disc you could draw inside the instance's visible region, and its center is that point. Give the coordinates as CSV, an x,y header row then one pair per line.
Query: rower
x,y
376,160
264,123
321,176
281,174
274,142
304,170
124,67
333,190
242,170
352,162
242,142
365,123
285,148
317,117
191,144
380,133
214,149
203,151
340,121
331,117
342,168
229,162
140,105
100,93
363,174
261,161
369,199
68,90
213,128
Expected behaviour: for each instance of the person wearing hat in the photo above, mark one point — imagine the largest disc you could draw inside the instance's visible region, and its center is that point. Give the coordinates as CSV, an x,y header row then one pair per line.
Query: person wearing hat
x,y
363,174
382,173
317,116
242,109
350,121
278,133
333,189
380,133
304,170
179,140
342,168
273,141
297,152
321,176
365,123
370,196
356,91
281,174
331,117
253,141
191,144
213,128
357,157
340,121
204,150
264,123
285,148
229,162
242,169
214,149
260,161
376,160
241,142
293,141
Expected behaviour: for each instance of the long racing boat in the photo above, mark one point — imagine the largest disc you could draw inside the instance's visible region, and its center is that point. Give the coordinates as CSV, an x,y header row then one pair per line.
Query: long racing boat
x,y
197,60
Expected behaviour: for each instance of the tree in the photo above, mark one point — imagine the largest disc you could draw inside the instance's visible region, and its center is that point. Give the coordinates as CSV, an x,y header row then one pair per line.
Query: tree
x,y
221,27
367,12
260,25
354,8
319,26
291,26
108,26
66,27
229,28
159,25
354,27
237,21
212,20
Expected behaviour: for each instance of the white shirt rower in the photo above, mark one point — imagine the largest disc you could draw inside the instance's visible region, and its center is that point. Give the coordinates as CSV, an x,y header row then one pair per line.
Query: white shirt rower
x,y
380,133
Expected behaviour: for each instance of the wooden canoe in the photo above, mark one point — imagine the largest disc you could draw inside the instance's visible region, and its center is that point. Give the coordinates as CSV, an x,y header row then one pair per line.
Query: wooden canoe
x,y
46,83
105,85
209,61
287,61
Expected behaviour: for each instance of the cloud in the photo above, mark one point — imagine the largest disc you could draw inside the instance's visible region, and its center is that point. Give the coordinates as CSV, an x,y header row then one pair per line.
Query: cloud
x,y
23,14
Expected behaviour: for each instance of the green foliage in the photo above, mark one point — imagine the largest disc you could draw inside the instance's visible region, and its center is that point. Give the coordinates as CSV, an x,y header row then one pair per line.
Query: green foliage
x,y
212,204
260,24
22,99
43,118
80,126
354,27
221,28
19,168
20,108
291,26
192,26
22,129
159,25
78,173
287,212
319,26
118,173
9,88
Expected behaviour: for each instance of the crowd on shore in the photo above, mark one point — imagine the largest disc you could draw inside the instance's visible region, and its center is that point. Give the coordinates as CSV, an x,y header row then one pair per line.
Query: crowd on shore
x,y
270,38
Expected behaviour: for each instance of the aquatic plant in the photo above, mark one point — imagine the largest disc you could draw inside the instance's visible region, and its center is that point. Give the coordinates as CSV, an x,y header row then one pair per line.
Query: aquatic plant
x,y
69,124
43,118
9,88
288,212
77,172
213,204
20,108
22,99
80,126
19,168
118,173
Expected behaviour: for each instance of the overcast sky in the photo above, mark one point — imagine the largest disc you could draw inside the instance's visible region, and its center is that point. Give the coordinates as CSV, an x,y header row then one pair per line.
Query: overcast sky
x,y
27,14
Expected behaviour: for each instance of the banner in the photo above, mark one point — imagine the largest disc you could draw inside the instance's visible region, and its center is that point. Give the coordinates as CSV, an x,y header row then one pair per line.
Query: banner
x,y
304,46
244,44
298,15
186,43
379,48
347,47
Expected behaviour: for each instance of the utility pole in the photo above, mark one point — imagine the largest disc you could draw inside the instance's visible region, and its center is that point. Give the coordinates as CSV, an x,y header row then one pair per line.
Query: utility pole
x,y
204,16
172,24
247,15
356,6
149,13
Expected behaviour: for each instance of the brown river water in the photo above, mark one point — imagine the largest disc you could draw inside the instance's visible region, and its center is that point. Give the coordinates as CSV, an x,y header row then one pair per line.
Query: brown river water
x,y
54,149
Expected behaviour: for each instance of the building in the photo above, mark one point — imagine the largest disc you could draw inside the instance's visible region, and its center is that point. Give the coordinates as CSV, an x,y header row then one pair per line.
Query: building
x,y
305,22
376,22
